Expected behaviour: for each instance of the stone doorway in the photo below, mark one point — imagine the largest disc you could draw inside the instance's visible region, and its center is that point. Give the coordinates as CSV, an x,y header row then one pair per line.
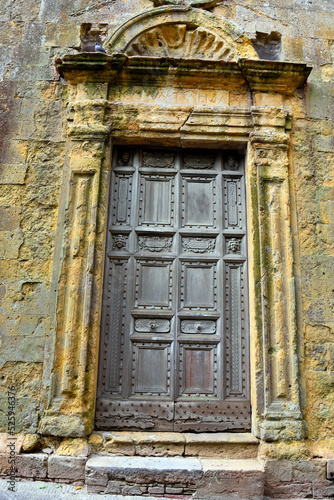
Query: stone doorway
x,y
174,352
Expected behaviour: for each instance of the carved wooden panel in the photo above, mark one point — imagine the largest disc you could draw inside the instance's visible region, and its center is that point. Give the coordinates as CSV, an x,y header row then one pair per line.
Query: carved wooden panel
x,y
174,345
153,287
198,373
156,201
151,243
152,325
151,369
198,287
200,326
235,329
122,191
113,325
199,204
198,245
233,203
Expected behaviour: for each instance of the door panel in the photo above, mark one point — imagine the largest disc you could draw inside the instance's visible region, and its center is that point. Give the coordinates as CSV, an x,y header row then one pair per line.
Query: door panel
x,y
174,335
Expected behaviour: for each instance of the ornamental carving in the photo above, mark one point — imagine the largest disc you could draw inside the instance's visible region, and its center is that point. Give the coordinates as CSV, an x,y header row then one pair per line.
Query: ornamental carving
x,y
156,159
231,163
125,158
198,245
119,242
180,41
198,161
234,245
155,243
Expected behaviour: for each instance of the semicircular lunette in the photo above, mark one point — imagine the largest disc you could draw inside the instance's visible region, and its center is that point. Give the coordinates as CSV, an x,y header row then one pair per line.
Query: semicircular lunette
x,y
180,41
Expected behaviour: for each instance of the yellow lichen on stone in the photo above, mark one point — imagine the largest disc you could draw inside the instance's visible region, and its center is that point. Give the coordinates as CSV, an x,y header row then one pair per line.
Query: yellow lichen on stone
x,y
74,448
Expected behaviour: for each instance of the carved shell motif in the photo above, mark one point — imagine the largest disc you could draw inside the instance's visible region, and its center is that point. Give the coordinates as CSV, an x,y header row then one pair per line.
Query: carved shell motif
x,y
180,41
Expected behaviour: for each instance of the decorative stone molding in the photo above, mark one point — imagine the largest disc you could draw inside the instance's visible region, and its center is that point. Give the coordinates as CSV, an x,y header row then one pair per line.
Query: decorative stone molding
x,y
102,108
275,301
157,25
180,41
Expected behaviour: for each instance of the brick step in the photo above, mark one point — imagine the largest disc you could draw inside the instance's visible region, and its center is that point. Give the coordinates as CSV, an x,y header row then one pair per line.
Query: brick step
x,y
221,444
176,477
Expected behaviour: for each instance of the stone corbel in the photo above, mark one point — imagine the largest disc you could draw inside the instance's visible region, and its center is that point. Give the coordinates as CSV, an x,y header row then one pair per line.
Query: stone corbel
x,y
278,414
71,393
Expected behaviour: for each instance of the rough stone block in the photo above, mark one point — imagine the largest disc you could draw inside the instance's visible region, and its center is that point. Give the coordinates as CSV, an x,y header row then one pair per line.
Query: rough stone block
x,y
330,468
174,491
95,489
131,490
114,487
323,489
9,218
33,466
228,479
71,468
278,470
289,490
13,174
308,470
26,412
156,490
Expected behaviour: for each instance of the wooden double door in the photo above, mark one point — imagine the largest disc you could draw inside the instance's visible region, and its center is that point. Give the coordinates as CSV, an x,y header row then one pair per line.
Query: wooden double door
x,y
174,349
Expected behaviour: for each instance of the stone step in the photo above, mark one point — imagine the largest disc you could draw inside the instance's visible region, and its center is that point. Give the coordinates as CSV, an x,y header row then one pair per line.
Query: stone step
x,y
176,477
221,444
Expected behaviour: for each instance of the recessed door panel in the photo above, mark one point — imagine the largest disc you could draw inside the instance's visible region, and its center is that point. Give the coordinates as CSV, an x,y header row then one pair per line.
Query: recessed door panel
x,y
153,284
198,201
198,370
174,335
151,369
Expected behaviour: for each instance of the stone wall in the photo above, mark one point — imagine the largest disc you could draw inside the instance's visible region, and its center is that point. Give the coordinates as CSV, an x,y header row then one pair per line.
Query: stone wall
x,y
33,104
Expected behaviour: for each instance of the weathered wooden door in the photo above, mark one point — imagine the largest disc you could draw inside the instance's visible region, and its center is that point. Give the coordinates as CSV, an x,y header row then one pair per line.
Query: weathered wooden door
x,y
174,336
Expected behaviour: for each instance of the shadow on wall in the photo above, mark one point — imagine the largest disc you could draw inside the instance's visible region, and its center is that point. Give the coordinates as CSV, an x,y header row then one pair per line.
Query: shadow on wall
x,y
268,46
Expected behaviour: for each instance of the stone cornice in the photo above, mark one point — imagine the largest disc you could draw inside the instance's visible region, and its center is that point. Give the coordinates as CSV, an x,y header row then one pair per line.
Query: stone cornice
x,y
258,75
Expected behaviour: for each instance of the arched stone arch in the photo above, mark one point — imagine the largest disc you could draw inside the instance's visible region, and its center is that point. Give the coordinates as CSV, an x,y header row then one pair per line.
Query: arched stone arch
x,y
181,32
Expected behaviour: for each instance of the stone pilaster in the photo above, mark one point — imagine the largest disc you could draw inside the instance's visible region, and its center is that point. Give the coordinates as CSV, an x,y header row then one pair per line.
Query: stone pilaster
x,y
71,360
277,407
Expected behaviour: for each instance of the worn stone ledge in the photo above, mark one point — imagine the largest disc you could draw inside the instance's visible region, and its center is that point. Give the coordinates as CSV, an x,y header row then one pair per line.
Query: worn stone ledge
x,y
223,445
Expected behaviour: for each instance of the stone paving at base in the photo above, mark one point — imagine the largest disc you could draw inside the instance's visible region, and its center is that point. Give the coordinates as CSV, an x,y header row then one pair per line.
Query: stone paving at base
x,y
39,490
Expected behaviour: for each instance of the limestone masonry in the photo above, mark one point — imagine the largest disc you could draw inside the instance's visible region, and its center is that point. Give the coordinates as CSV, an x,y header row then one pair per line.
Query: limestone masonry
x,y
253,79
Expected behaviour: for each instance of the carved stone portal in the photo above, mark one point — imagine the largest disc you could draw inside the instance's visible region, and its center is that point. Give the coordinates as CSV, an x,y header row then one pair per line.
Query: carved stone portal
x,y
101,85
